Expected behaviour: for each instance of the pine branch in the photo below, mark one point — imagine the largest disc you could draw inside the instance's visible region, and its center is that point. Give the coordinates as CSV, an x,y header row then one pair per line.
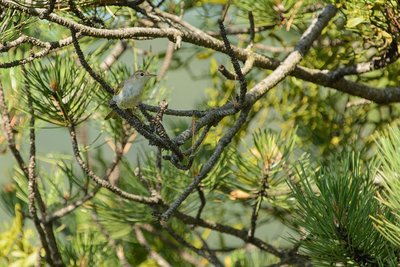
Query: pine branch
x,y
259,90
101,182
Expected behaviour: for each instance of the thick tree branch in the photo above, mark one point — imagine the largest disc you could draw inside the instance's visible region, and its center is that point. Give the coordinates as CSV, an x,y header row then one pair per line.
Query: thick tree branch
x,y
321,77
166,143
291,61
287,66
206,119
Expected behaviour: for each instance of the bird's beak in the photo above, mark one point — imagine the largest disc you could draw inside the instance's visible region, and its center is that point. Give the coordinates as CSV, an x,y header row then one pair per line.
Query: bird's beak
x,y
152,75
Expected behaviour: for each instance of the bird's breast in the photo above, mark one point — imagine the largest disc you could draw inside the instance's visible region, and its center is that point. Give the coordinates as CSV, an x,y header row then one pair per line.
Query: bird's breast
x,y
127,98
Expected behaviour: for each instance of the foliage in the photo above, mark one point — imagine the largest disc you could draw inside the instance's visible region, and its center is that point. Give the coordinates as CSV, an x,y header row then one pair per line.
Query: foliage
x,y
334,208
104,198
388,225
62,94
278,14
295,103
16,246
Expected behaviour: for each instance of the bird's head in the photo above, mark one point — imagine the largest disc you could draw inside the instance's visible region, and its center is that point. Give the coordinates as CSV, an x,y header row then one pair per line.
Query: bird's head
x,y
143,76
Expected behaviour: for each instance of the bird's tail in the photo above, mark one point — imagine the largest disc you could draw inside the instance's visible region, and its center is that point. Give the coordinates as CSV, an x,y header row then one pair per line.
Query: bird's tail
x,y
111,115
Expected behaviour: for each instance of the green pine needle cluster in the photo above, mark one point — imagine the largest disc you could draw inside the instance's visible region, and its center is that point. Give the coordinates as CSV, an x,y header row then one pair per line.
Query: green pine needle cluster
x,y
389,226
335,205
60,90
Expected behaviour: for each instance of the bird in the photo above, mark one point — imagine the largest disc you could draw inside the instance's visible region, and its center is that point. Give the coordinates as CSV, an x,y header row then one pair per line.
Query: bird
x,y
130,92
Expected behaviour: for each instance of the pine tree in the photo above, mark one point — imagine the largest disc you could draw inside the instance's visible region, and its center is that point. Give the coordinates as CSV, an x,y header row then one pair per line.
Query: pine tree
x,y
290,159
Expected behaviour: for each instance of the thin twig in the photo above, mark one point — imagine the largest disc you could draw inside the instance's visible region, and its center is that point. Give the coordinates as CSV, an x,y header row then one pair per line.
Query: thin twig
x,y
167,61
248,65
9,133
174,112
32,185
257,205
146,132
202,201
227,74
73,206
114,55
241,234
45,233
86,65
237,31
82,17
185,255
104,183
160,3
225,11
192,150
159,171
200,252
142,179
390,56
234,60
119,251
153,254
211,252
252,28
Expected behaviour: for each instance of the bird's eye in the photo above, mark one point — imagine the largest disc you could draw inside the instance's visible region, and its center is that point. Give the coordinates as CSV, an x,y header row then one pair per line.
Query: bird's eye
x,y
142,74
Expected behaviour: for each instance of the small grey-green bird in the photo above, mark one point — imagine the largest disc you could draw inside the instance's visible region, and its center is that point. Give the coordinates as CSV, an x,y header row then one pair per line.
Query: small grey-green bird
x,y
130,92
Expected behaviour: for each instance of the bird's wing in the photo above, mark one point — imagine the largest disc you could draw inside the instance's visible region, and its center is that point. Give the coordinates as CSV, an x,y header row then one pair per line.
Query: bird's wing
x,y
111,115
119,88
